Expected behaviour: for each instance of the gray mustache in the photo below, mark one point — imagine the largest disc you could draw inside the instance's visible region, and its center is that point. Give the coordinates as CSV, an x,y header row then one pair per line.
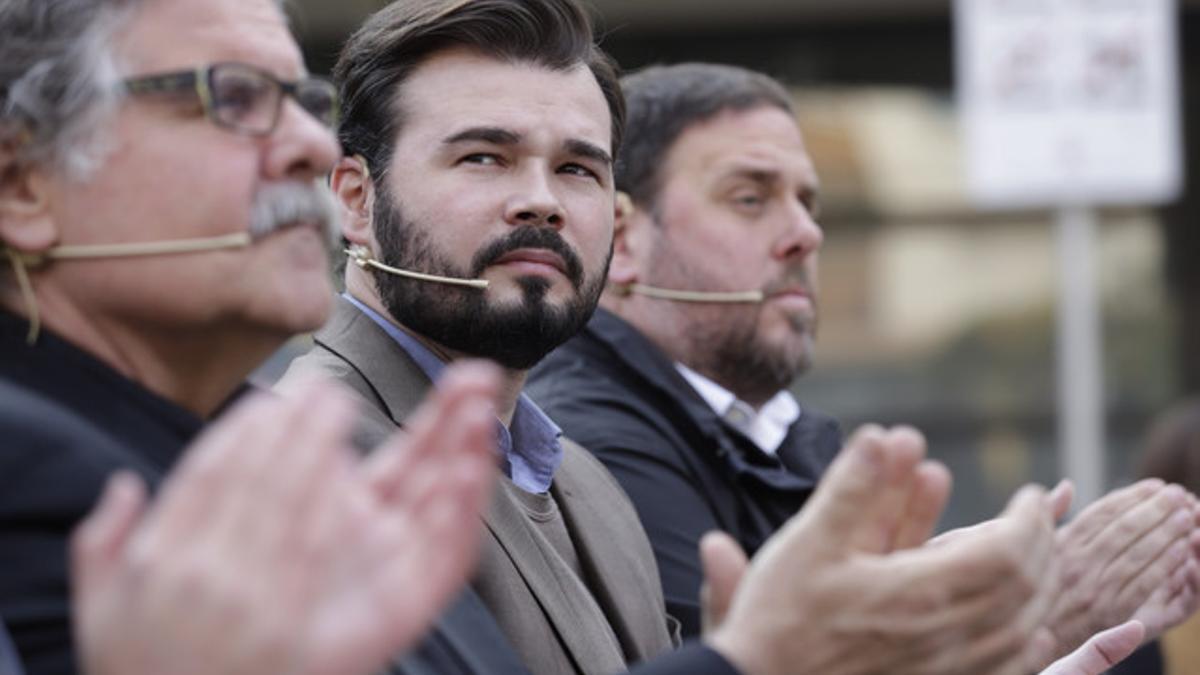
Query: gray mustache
x,y
281,205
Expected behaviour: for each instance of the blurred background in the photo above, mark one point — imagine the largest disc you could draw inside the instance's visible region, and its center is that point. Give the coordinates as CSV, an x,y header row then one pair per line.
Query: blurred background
x,y
933,313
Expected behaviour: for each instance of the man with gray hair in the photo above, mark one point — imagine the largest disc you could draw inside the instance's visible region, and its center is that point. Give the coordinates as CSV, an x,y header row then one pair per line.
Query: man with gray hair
x,y
163,230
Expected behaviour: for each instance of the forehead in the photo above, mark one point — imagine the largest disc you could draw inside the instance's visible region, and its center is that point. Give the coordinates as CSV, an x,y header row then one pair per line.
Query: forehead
x,y
181,34
763,140
460,88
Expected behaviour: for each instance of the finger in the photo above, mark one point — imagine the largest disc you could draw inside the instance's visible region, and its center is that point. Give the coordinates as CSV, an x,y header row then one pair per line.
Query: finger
x,y
1098,515
1030,520
725,564
1103,651
469,429
1020,542
880,516
184,504
1061,497
262,493
977,530
450,519
1042,649
321,420
1168,505
1145,568
834,508
291,516
97,543
473,382
927,501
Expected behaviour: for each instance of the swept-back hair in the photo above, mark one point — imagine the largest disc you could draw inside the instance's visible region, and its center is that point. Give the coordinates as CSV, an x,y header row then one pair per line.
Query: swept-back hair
x,y
383,53
665,101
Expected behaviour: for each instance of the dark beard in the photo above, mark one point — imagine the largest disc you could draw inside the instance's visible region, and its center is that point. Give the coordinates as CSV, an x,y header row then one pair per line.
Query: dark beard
x,y
460,319
751,370
722,343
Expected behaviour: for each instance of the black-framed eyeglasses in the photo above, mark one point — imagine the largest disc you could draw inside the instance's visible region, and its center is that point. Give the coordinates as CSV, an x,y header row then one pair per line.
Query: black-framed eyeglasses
x,y
241,97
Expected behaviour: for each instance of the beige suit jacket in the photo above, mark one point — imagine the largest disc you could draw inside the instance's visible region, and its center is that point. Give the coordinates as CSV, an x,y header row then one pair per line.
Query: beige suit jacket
x,y
540,617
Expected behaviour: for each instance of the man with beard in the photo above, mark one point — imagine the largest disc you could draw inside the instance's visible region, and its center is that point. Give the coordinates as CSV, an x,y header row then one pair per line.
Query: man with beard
x,y
679,384
163,230
491,170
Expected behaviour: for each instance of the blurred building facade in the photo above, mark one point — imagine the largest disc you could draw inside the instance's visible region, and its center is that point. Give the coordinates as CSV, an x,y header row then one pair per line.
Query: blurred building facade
x,y
932,313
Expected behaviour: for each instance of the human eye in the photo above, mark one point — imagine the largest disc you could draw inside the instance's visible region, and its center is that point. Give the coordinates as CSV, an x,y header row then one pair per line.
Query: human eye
x,y
750,201
240,96
481,159
808,198
576,169
319,99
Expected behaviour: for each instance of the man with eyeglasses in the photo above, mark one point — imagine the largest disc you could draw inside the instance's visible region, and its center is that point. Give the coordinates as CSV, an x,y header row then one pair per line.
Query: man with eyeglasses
x,y
163,230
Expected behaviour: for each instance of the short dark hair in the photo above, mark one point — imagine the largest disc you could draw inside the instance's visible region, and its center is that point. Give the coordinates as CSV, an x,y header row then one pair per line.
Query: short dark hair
x,y
394,41
664,101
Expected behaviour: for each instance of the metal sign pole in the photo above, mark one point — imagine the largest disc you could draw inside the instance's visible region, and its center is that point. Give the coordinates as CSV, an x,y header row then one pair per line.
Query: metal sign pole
x,y
1080,359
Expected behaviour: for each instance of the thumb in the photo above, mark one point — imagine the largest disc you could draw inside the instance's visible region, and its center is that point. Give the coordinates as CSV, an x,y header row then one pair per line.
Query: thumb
x,y
724,565
1060,499
835,512
1103,651
97,543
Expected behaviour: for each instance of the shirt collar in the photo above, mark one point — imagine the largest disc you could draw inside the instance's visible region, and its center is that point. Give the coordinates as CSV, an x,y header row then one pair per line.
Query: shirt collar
x,y
766,428
531,446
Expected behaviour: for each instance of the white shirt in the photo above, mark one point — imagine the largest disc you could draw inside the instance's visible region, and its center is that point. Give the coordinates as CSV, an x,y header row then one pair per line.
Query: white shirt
x,y
766,428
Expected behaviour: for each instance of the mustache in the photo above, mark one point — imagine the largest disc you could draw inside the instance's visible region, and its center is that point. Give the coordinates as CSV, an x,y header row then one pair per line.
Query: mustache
x,y
530,237
794,279
285,204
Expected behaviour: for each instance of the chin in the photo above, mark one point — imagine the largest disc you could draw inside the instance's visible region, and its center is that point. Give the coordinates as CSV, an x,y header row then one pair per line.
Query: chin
x,y
304,309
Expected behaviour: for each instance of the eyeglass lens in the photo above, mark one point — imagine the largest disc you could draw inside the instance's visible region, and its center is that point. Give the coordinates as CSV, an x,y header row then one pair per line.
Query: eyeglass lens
x,y
248,99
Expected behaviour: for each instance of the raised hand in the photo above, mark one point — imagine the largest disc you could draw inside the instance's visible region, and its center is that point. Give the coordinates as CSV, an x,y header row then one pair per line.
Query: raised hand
x,y
831,594
1130,554
274,549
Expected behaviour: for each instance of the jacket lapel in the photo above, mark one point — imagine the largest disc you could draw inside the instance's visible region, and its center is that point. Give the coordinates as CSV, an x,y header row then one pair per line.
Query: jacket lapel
x,y
395,379
574,624
620,570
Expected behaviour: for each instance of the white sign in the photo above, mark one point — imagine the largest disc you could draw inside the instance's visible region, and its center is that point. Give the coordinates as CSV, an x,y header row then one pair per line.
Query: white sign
x,y
1069,101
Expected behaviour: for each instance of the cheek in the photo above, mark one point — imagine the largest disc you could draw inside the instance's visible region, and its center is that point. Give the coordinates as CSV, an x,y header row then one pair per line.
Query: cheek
x,y
590,228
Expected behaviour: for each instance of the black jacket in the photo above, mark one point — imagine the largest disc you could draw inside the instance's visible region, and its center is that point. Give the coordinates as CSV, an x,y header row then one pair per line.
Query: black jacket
x,y
685,469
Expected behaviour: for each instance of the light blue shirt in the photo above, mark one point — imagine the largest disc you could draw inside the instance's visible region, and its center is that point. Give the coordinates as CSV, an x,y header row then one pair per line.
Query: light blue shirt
x,y
530,448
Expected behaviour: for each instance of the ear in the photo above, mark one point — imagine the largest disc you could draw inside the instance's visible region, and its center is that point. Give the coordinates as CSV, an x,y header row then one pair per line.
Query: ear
x,y
353,188
26,223
632,232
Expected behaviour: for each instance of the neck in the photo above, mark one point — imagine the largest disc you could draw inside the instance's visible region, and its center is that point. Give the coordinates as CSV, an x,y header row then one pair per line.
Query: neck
x,y
197,369
666,327
362,288
511,384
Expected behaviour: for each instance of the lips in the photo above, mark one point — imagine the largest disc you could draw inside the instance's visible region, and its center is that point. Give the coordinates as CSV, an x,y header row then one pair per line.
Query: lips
x,y
791,292
535,257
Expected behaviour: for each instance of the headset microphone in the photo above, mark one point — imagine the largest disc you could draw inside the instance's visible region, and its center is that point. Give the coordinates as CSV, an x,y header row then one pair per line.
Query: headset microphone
x,y
92,251
362,257
626,206
752,297
20,261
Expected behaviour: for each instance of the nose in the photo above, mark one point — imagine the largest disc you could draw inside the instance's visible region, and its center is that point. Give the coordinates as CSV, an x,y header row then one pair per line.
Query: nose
x,y
803,235
301,148
533,202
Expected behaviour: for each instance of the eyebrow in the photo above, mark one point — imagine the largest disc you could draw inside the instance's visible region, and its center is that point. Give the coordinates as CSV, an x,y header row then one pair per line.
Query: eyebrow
x,y
811,192
589,150
761,176
500,136
493,135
